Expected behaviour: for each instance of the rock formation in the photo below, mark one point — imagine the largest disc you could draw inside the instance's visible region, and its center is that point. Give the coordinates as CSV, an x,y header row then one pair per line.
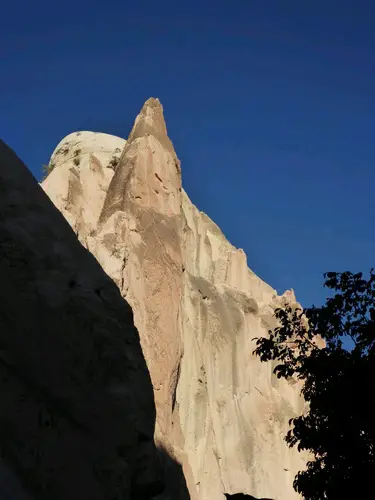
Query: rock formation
x,y
77,413
221,413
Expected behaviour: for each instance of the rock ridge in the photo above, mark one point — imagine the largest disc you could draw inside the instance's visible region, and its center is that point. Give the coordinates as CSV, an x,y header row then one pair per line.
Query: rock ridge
x,y
221,413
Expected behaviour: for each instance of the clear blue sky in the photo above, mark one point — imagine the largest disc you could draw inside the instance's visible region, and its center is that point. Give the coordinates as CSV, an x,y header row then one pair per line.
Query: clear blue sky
x,y
270,105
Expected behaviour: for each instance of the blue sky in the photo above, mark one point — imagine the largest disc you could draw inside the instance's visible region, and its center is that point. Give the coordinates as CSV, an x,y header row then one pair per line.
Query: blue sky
x,y
270,106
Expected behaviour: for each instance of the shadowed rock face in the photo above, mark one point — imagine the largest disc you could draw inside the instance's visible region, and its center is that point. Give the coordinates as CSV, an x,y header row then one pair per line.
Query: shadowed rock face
x,y
77,411
242,496
221,413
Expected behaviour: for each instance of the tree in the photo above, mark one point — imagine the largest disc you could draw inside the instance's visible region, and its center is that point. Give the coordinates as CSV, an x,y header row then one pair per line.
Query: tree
x,y
338,427
47,169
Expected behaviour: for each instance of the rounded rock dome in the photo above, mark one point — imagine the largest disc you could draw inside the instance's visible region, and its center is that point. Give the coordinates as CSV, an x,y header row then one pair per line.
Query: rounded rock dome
x,y
84,143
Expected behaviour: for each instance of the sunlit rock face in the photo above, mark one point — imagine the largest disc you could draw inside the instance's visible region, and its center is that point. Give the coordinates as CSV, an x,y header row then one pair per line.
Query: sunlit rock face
x,y
220,411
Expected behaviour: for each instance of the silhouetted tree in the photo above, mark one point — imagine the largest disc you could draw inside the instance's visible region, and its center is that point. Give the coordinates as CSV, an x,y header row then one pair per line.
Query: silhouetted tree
x,y
338,429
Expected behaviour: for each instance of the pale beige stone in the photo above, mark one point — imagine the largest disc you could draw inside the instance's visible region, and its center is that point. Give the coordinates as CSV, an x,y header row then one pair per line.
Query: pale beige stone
x,y
82,168
197,306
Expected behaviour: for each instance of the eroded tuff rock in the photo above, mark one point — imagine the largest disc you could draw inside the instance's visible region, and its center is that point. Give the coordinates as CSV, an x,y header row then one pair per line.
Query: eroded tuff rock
x,y
77,412
220,411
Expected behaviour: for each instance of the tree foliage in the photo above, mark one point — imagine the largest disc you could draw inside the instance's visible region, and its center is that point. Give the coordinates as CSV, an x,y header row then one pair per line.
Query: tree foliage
x,y
338,428
47,169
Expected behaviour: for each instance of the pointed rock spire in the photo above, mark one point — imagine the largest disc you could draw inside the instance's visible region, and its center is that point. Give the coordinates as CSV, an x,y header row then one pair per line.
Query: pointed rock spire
x,y
150,121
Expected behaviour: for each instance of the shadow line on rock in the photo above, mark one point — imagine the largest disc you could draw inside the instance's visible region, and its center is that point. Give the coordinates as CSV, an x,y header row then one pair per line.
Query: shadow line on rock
x,y
175,483
243,496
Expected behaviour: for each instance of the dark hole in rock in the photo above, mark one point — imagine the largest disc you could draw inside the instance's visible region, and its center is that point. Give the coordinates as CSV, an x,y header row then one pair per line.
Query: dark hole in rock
x,y
243,496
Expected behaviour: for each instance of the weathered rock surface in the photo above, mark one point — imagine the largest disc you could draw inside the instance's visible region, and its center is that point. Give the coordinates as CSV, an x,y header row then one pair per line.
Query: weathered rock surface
x,y
83,164
77,413
197,306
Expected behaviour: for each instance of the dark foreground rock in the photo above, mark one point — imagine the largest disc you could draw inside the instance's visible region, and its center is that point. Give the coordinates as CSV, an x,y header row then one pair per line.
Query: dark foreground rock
x,y
77,412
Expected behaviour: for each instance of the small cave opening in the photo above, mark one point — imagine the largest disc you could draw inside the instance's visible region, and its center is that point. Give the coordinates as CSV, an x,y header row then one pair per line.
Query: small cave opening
x,y
243,496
